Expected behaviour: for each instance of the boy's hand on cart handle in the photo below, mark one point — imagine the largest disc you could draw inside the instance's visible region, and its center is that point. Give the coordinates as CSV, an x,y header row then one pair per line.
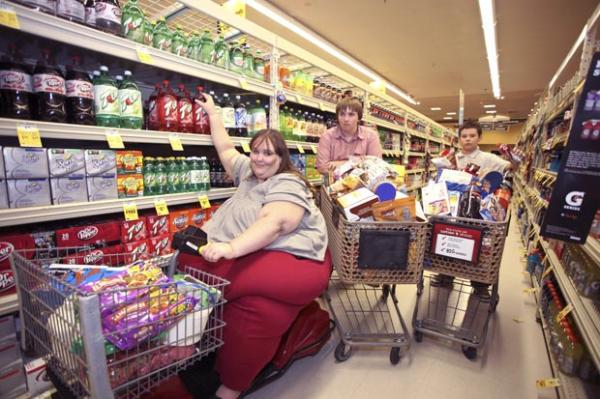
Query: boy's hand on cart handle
x,y
214,251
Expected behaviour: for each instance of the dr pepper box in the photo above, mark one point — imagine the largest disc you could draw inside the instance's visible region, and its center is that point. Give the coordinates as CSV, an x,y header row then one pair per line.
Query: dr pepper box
x,y
157,225
8,243
90,234
98,256
133,230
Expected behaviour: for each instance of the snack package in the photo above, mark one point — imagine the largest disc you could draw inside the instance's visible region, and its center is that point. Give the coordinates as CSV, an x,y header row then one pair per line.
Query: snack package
x,y
398,210
491,209
129,162
157,225
435,199
133,230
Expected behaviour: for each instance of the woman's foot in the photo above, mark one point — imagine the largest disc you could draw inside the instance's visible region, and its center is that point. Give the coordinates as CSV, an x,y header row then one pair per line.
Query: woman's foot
x,y
227,393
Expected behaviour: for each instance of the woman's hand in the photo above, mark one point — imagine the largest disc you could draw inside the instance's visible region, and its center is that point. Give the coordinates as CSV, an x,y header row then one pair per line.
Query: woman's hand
x,y
208,105
214,251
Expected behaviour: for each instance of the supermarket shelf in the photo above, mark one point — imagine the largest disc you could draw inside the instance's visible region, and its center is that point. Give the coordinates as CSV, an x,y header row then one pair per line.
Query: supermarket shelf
x,y
13,217
546,172
385,124
8,304
415,171
565,103
44,25
393,153
309,101
592,247
416,154
436,139
413,132
585,313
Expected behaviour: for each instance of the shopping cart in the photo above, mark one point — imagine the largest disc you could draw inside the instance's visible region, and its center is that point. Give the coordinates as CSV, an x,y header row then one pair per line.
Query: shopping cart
x,y
362,299
175,323
450,306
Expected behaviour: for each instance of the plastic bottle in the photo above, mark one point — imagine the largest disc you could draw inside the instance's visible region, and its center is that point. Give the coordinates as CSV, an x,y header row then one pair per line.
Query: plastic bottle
x,y
179,43
201,119
204,175
149,171
130,99
228,112
108,16
80,95
167,109
291,121
73,10
221,54
161,176
149,27
106,99
213,173
184,175
193,49
236,58
132,21
283,115
217,101
259,66
194,172
240,118
185,110
50,90
90,13
259,119
15,86
248,68
207,48
162,36
153,114
173,175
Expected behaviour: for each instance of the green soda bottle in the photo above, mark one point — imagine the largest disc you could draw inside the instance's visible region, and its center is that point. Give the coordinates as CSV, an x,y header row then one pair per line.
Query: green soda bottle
x,y
259,66
149,27
173,175
236,58
207,48
132,21
221,58
179,44
283,122
106,99
130,99
149,171
248,68
193,50
162,36
194,171
184,175
204,175
161,176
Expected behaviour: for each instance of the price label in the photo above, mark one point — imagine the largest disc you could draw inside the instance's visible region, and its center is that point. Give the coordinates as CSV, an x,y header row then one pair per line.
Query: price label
x,y
29,136
115,141
563,313
243,83
547,271
547,383
130,211
313,148
204,202
8,17
161,207
246,147
176,144
144,56
299,99
397,153
300,148
530,290
321,106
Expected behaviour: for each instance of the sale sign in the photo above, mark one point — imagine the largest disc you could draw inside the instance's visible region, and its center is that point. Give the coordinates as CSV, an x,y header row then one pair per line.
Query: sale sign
x,y
456,241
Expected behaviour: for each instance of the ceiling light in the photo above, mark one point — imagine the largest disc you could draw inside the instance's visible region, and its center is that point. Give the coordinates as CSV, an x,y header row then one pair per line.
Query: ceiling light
x,y
435,108
486,7
447,118
489,106
450,113
490,112
288,23
571,52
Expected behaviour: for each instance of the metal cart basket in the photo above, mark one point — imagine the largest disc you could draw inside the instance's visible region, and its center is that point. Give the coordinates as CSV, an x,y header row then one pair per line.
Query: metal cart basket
x,y
454,308
175,323
360,297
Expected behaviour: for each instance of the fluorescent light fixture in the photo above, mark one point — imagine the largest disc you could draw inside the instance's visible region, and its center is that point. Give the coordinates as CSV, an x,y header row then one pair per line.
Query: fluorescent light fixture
x,y
489,106
435,108
450,113
488,19
490,112
288,23
571,52
447,118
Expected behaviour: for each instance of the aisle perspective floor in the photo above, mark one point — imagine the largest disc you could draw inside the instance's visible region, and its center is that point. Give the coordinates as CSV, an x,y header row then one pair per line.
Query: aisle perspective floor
x,y
507,367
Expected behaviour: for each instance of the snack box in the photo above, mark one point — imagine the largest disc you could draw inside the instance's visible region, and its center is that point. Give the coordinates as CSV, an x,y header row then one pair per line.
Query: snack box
x,y
25,163
66,162
129,162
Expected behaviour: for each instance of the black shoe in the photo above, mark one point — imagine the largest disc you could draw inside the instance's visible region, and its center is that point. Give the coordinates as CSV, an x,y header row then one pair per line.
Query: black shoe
x,y
442,281
200,379
483,293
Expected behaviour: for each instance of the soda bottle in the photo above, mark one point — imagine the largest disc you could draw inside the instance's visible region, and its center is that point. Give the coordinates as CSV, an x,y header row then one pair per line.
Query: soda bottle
x,y
201,119
213,173
80,94
248,68
185,110
149,171
132,22
108,16
217,100
205,174
149,27
49,87
228,114
167,109
194,172
73,10
259,119
207,48
130,99
179,42
162,36
90,13
236,58
106,99
184,175
173,176
160,170
15,86
221,54
153,117
193,49
48,6
259,66
283,116
240,118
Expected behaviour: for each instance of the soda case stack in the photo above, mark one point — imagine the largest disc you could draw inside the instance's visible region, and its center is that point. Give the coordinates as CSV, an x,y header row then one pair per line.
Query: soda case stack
x,y
175,175
27,177
67,175
101,173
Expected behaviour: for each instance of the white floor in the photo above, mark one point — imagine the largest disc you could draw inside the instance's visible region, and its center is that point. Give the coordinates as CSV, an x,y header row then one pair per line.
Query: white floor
x,y
513,358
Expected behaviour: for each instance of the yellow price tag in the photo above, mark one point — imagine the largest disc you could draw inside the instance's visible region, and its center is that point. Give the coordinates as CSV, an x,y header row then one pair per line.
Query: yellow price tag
x,y
299,99
246,147
563,313
313,148
300,148
115,141
204,202
144,56
547,383
547,271
530,290
397,153
321,106
8,17
161,207
243,83
176,144
400,170
130,211
29,136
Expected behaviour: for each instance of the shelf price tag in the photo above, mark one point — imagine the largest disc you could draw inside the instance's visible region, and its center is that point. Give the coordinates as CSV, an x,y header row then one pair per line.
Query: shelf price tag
x,y
530,290
144,56
547,271
321,106
161,207
243,83
299,99
115,141
130,211
313,148
204,202
29,136
8,16
246,147
300,148
176,144
563,313
547,383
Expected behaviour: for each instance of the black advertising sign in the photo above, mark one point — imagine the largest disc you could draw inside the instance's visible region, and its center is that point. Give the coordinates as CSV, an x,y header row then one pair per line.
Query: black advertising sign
x,y
576,193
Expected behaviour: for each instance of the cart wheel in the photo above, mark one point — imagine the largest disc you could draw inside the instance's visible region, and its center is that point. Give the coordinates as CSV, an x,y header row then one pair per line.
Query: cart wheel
x,y
469,352
395,356
385,292
342,353
418,336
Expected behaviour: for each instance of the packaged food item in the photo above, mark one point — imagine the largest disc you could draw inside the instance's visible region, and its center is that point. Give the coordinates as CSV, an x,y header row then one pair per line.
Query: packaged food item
x,y
129,162
198,216
435,199
68,189
25,163
99,256
398,210
491,209
470,203
3,194
129,186
133,230
357,204
100,162
100,233
137,250
157,225
161,245
64,162
102,187
24,193
7,278
179,220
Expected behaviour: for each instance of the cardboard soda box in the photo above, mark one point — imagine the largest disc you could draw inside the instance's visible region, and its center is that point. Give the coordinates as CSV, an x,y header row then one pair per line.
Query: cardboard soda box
x,y
79,236
99,256
133,230
157,225
161,245
179,220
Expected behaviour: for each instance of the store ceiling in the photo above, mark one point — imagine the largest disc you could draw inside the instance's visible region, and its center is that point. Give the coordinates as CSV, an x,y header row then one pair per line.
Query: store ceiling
x,y
433,48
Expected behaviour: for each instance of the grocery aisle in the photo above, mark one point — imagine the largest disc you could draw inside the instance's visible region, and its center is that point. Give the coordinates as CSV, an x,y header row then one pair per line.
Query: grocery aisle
x,y
514,357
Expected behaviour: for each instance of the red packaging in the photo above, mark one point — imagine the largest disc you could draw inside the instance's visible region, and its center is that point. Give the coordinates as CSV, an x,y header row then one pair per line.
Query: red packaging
x,y
157,225
20,242
161,245
91,234
198,217
133,230
99,256
179,220
7,278
136,250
